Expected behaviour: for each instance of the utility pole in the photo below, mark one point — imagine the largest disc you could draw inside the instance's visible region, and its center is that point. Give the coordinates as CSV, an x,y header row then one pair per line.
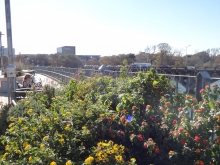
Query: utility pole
x,y
1,51
11,75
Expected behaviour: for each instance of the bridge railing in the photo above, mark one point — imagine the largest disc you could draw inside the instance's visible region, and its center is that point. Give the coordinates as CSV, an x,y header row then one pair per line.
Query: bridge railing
x,y
183,83
60,77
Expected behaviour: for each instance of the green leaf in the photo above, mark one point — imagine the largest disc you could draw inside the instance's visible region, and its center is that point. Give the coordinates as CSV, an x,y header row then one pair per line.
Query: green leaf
x,y
155,83
211,104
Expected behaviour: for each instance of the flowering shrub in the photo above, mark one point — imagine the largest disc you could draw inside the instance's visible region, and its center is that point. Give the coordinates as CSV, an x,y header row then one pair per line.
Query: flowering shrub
x,y
108,153
142,117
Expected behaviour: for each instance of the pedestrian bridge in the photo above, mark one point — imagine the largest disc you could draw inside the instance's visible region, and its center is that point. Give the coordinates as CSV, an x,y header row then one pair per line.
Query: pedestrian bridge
x,y
57,76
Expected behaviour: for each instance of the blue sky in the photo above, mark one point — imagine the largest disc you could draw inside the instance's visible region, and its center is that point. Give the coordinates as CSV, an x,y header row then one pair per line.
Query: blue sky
x,y
111,27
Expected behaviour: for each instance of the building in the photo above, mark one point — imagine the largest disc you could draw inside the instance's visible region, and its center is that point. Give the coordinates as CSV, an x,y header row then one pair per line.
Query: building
x,y
66,50
5,51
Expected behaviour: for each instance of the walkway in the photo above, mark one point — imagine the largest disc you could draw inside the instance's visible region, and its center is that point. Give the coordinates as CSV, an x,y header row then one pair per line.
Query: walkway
x,y
45,80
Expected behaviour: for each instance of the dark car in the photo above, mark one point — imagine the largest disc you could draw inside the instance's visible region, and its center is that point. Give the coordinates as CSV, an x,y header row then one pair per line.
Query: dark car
x,y
165,66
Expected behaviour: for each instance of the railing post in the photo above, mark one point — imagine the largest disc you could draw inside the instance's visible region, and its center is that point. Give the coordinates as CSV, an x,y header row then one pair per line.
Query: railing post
x,y
177,82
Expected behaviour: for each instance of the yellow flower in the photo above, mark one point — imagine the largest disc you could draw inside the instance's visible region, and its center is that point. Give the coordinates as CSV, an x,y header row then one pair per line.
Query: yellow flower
x,y
133,160
197,151
89,160
30,111
63,115
11,125
11,130
80,101
101,115
67,127
84,127
25,144
19,120
53,98
69,163
17,151
34,129
42,145
47,120
68,113
27,147
119,159
43,105
53,163
30,159
7,147
4,156
87,111
61,140
26,102
25,128
45,138
12,118
55,119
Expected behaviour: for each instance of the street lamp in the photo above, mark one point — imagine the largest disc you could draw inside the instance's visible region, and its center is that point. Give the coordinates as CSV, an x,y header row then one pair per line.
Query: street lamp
x,y
186,53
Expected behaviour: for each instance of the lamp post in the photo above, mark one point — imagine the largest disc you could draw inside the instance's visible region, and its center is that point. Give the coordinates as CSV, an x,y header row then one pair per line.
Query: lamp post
x,y
186,53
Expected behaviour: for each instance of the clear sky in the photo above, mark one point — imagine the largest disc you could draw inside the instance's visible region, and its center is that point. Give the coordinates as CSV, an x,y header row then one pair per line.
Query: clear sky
x,y
108,27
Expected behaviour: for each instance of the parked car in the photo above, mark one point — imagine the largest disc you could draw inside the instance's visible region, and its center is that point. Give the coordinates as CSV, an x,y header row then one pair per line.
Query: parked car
x,y
165,66
190,67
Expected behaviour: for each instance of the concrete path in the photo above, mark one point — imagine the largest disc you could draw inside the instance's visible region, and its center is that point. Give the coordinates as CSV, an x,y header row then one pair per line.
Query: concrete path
x,y
45,80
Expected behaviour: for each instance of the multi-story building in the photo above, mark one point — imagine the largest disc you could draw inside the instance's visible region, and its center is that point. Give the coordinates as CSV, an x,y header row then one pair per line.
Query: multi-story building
x,y
66,50
5,51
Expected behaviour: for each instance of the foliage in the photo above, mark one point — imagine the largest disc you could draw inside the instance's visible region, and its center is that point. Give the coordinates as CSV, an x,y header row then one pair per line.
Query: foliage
x,y
104,120
108,153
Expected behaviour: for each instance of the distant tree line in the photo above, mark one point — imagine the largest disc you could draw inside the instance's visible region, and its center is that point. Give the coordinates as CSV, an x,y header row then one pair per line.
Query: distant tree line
x,y
157,55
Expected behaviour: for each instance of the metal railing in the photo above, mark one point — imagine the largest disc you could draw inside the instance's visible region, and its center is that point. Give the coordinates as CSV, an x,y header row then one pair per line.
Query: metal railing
x,y
192,84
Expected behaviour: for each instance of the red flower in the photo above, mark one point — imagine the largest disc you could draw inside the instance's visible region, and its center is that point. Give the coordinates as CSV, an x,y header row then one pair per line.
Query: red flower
x,y
127,122
181,129
122,119
122,132
140,137
180,109
145,145
174,122
182,141
202,90
123,111
167,103
206,87
205,141
187,97
150,139
215,85
173,88
218,141
134,107
104,120
151,118
157,150
143,123
197,139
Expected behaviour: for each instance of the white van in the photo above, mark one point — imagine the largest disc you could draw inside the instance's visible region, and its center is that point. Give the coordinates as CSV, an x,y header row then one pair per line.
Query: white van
x,y
142,65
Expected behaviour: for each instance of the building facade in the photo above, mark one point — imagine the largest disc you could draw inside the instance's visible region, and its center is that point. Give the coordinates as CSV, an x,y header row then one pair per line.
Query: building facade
x,y
67,50
5,51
